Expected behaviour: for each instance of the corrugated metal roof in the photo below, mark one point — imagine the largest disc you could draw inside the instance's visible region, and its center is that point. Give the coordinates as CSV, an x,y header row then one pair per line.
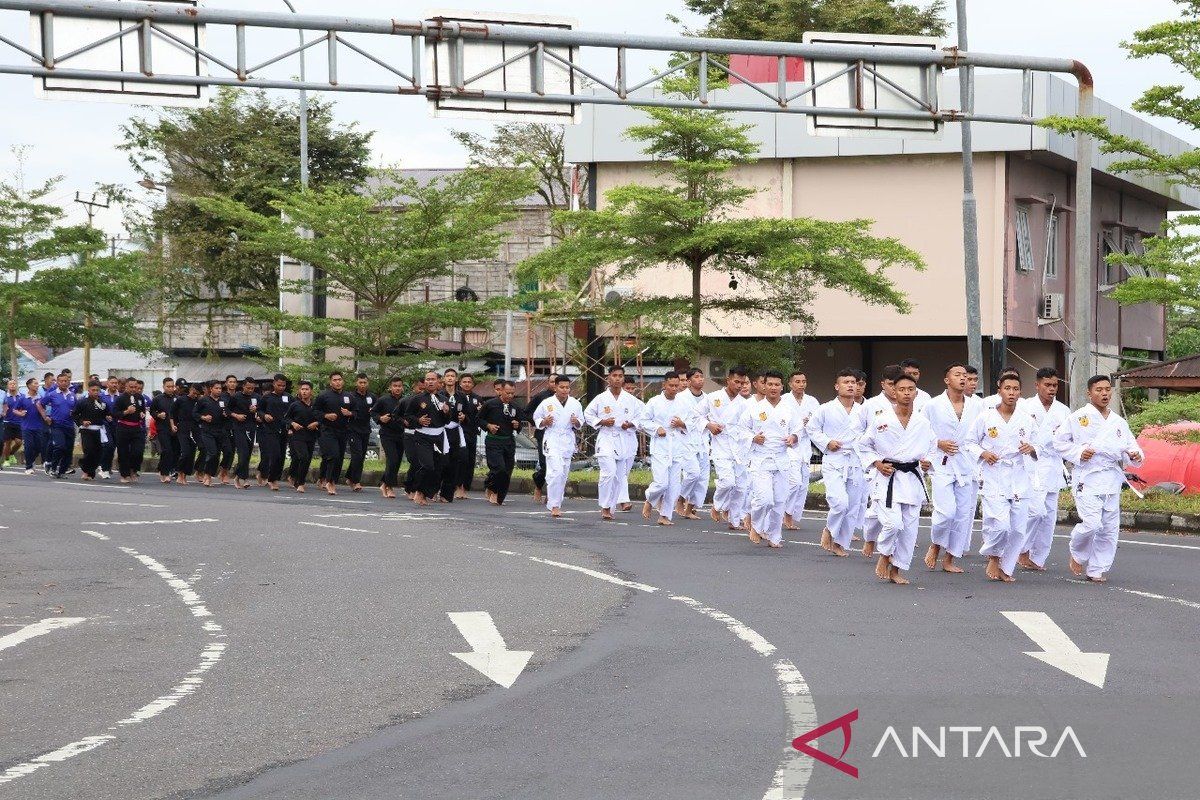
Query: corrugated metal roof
x,y
1186,367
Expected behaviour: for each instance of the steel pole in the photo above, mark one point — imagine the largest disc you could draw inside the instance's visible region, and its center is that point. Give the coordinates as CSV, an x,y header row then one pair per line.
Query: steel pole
x,y
508,332
306,273
966,86
1082,364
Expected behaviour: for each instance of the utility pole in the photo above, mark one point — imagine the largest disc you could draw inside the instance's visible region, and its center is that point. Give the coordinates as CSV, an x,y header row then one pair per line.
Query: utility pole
x,y
91,206
966,88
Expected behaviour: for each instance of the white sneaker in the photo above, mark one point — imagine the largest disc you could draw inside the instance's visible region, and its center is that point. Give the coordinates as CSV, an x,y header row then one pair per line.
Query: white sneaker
x,y
102,475
28,472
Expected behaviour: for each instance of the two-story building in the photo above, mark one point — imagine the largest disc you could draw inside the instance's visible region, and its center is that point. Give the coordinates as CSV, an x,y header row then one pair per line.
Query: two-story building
x,y
912,189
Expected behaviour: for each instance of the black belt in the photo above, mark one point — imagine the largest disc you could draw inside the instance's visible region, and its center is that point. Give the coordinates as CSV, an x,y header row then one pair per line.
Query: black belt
x,y
902,466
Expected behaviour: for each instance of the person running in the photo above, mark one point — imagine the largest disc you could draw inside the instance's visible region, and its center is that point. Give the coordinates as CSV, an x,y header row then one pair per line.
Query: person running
x,y
12,423
160,413
358,429
456,441
1098,443
559,417
388,412
471,407
896,446
56,407
539,472
427,416
696,472
666,419
1047,479
183,422
243,421
209,416
333,405
33,426
91,414
304,426
719,413
272,431
501,418
1001,440
835,429
803,406
114,386
614,414
130,414
773,428
955,471
225,438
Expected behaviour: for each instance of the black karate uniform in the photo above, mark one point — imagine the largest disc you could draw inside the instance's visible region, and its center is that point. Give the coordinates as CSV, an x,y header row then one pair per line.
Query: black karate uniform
x,y
243,430
272,434
332,440
429,445
392,435
94,414
182,414
500,448
129,411
225,438
210,433
455,448
358,433
168,452
300,416
539,474
472,407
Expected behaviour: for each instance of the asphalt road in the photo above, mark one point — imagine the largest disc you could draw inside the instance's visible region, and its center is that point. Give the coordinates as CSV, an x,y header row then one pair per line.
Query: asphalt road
x,y
192,643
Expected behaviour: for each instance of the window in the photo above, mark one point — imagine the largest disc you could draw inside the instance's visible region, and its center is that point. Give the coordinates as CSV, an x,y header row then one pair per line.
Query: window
x,y
1052,246
1133,247
1109,244
529,286
1024,247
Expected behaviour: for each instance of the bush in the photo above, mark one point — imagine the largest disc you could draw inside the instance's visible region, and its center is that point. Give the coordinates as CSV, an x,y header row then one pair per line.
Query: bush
x,y
1167,411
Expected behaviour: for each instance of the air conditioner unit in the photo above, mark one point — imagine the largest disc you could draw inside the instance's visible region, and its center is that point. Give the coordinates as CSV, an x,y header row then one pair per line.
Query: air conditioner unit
x,y
1052,306
618,294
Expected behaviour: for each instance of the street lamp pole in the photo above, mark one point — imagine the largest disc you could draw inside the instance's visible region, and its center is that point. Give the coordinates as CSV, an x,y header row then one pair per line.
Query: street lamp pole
x,y
305,269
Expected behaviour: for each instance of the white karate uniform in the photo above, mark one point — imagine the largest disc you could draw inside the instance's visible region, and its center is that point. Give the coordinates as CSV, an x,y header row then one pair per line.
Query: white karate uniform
x,y
886,438
953,478
1096,483
921,400
841,470
1006,486
671,455
615,446
558,443
868,520
728,452
801,455
695,488
1046,479
770,462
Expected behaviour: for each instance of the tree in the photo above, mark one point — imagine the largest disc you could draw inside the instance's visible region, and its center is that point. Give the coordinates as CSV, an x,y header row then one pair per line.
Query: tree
x,y
687,221
1167,272
243,146
788,20
533,146
373,248
32,239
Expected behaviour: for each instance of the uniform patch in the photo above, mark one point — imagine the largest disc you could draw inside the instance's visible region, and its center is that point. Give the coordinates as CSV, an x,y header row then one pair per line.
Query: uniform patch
x,y
717,403
1084,422
762,415
882,427
993,432
878,411
608,409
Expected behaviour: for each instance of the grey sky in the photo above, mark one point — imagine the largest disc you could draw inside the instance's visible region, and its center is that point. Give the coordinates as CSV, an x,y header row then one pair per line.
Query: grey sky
x,y
78,139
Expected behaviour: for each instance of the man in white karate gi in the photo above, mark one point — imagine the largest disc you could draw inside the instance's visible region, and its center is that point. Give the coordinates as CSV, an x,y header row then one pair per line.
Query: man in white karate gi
x,y
559,417
614,414
804,405
896,446
1001,440
835,429
912,368
773,429
719,412
873,407
1047,479
954,476
695,486
1099,444
666,419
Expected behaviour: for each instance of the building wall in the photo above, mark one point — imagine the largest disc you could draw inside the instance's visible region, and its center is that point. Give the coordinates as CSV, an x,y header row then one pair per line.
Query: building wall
x,y
916,199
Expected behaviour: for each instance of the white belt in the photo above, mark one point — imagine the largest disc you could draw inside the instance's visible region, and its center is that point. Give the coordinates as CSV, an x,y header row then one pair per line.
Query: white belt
x,y
431,431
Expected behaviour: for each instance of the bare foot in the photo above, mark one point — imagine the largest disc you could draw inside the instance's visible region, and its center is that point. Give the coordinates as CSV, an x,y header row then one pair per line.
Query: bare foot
x,y
754,537
736,528
300,489
714,515
896,578
383,490
948,565
1004,576
329,488
556,512
838,550
273,486
931,556
182,481
605,514
691,514
1075,566
626,507
788,525
775,545
881,568
665,521
993,568
827,540
357,487
868,549
646,508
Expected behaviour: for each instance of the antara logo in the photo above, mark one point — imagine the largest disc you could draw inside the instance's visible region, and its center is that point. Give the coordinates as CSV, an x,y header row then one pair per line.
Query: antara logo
x,y
944,741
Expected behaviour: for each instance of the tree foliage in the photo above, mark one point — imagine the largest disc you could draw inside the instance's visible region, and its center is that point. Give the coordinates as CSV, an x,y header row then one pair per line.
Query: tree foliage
x,y
244,146
691,220
1168,271
374,246
788,20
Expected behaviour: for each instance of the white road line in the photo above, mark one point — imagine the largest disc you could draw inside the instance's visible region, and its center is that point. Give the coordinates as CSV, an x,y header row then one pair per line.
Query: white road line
x,y
118,503
97,535
73,485
641,587
1149,595
154,521
190,684
336,528
37,629
335,500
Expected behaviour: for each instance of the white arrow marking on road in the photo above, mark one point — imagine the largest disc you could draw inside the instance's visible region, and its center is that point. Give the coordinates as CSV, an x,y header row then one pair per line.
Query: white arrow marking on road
x,y
1057,648
490,655
37,629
